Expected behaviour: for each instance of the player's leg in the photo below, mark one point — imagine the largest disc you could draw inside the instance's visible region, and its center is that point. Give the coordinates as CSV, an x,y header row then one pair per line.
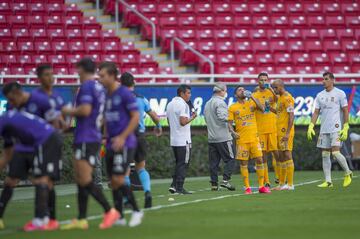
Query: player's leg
x,y
256,154
264,146
214,161
282,169
182,163
340,158
226,153
144,176
289,163
271,149
245,175
324,143
172,188
6,194
277,167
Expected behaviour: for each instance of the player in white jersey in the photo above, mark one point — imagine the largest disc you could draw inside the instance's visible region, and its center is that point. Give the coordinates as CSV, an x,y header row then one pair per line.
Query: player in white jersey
x,y
331,104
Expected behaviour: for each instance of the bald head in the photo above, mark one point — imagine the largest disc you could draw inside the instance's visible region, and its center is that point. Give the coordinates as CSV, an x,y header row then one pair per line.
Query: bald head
x,y
278,86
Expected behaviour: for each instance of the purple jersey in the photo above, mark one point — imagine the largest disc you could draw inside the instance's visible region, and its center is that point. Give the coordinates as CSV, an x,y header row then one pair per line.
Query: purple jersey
x,y
27,129
88,129
39,105
117,114
55,99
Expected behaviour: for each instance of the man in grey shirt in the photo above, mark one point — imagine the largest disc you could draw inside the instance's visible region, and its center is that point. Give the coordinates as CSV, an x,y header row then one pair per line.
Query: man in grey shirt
x,y
220,140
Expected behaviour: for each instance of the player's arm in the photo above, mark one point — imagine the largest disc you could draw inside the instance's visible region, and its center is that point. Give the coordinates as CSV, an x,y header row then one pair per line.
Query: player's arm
x,y
83,110
290,111
344,107
155,118
231,123
7,153
184,118
275,97
259,106
222,112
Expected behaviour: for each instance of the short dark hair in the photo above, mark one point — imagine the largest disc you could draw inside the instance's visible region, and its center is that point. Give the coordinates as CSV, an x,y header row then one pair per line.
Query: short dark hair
x,y
9,87
127,79
41,68
87,64
236,88
263,74
331,75
110,67
182,89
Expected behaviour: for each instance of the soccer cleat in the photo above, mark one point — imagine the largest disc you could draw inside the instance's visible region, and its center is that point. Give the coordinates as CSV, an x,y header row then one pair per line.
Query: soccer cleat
x,y
109,218
248,191
277,181
184,192
347,180
264,190
32,226
120,222
148,200
227,185
326,185
291,188
172,190
267,185
284,187
76,224
52,225
214,186
277,188
136,219
2,225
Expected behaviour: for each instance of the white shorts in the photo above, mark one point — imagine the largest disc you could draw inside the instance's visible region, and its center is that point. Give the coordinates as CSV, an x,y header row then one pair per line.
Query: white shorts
x,y
328,140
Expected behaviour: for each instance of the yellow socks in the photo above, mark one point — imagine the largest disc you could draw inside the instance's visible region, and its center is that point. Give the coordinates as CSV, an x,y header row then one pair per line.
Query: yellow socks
x,y
266,173
290,172
245,174
276,166
260,173
283,171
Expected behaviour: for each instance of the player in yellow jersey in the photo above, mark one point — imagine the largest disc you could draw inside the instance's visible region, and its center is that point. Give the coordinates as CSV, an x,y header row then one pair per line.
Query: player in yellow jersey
x,y
266,121
247,142
285,134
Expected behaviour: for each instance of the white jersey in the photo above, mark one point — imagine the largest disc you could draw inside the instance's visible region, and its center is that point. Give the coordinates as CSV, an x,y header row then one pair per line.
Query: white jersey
x,y
179,135
330,105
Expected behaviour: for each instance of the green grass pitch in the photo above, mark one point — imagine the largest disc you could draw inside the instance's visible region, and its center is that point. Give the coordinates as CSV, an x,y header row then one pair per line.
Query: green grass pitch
x,y
307,212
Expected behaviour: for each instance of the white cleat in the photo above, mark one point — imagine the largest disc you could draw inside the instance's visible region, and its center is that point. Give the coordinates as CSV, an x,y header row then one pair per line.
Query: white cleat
x,y
291,188
120,222
284,187
136,219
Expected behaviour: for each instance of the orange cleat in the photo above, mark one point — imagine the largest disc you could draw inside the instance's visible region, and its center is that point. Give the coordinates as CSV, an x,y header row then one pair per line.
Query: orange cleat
x,y
52,225
109,219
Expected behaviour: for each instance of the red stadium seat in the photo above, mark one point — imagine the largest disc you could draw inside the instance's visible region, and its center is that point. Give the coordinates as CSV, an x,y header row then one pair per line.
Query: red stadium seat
x,y
296,7
43,47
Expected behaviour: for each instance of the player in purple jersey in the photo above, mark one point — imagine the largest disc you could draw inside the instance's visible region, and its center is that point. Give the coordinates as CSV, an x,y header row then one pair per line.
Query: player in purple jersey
x,y
34,132
89,116
23,156
122,118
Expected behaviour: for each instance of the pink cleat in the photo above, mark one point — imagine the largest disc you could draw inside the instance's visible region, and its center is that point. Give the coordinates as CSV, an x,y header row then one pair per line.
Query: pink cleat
x,y
52,225
248,191
109,219
30,226
264,190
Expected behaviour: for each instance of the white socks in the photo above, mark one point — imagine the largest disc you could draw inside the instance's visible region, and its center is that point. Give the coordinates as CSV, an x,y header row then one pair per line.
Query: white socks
x,y
326,164
342,161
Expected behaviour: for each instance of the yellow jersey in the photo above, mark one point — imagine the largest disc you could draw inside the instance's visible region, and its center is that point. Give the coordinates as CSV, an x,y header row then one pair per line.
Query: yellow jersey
x,y
266,121
284,107
243,114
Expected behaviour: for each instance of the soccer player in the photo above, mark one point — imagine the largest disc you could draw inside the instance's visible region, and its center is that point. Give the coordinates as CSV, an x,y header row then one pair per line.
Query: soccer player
x,y
90,103
285,134
219,138
128,81
247,141
179,118
266,121
332,107
33,132
122,119
23,156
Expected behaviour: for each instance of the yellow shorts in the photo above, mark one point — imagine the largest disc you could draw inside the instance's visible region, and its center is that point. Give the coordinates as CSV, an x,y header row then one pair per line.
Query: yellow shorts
x,y
268,142
246,151
288,145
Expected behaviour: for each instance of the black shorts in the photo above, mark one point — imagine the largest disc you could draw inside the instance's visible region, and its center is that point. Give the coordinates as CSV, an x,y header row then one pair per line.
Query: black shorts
x,y
117,163
47,161
88,152
141,148
21,165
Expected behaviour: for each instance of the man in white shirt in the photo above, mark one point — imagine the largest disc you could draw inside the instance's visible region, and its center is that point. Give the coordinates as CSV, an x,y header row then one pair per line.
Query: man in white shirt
x,y
179,117
331,104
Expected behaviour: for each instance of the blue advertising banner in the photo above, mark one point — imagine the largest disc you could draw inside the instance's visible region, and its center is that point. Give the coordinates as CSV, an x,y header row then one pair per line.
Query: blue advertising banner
x,y
160,96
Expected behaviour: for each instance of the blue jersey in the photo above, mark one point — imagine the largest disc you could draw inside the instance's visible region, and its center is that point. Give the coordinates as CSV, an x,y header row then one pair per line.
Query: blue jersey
x,y
117,114
55,99
22,127
88,129
38,105
144,107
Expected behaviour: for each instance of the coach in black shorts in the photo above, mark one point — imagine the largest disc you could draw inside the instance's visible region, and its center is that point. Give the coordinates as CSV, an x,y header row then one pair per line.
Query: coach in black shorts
x,y
220,140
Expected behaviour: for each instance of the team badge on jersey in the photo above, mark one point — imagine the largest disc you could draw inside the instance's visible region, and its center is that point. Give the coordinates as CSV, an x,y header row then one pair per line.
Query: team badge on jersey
x,y
337,126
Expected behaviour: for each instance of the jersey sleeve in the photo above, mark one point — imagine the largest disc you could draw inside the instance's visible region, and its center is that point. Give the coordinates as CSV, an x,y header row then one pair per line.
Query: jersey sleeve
x,y
289,104
85,95
343,100
184,110
147,107
231,113
130,101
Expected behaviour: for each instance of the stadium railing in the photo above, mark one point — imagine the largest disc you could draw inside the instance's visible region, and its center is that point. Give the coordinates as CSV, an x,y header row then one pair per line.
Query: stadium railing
x,y
354,78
